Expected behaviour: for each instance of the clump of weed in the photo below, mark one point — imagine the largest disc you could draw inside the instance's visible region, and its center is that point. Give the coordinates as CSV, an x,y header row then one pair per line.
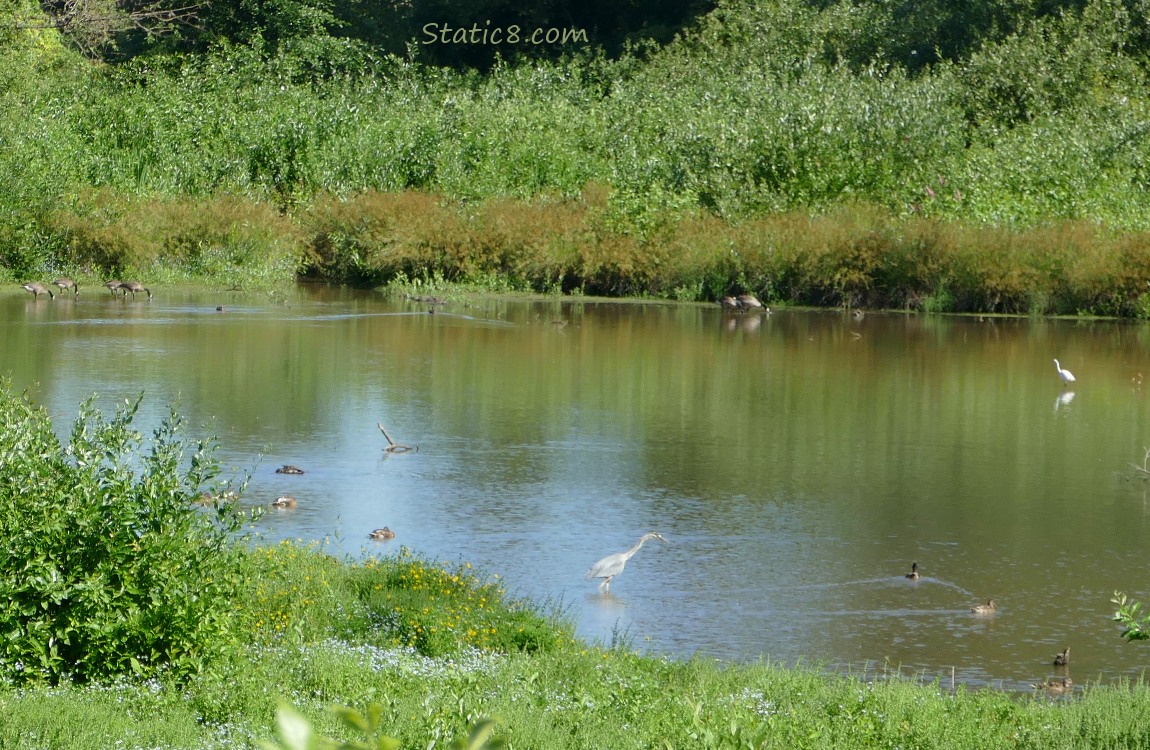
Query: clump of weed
x,y
440,610
106,567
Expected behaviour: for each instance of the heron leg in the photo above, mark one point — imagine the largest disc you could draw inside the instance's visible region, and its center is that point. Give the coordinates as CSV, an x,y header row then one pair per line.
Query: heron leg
x,y
606,585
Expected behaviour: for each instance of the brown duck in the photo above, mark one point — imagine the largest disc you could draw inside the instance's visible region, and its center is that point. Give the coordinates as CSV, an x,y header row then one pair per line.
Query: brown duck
x,y
989,608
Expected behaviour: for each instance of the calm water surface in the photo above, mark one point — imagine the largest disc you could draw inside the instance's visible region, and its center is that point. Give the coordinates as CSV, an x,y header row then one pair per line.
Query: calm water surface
x,y
798,463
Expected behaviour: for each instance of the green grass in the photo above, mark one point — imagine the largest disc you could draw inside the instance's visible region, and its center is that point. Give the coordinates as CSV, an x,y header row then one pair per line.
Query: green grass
x,y
437,648
776,147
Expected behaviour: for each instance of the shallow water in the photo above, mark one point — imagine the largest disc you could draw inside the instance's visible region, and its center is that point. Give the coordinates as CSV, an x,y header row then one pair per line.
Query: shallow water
x,y
797,463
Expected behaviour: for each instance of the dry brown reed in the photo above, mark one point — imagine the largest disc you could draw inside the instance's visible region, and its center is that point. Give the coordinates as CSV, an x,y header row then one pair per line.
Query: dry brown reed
x,y
852,255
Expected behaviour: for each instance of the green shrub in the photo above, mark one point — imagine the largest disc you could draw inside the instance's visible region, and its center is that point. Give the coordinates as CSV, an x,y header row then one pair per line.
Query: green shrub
x,y
106,567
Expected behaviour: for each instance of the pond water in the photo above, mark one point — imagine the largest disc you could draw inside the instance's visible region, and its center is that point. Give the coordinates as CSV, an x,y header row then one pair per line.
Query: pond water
x,y
797,463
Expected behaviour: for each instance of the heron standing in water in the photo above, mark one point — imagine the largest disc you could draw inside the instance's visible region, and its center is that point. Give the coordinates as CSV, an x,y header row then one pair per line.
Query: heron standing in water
x,y
612,565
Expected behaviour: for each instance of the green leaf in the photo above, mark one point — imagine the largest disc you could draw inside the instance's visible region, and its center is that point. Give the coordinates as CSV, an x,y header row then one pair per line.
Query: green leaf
x,y
295,730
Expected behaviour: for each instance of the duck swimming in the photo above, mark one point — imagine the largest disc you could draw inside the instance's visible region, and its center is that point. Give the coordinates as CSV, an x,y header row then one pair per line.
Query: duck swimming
x,y
289,469
382,534
1064,685
1061,660
284,501
913,574
985,609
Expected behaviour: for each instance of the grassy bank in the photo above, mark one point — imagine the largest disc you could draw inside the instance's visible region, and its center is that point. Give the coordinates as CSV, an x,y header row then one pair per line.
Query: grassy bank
x,y
853,255
436,655
134,617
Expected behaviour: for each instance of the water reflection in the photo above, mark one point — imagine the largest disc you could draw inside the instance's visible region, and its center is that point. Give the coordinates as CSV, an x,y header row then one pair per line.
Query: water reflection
x,y
799,461
1063,399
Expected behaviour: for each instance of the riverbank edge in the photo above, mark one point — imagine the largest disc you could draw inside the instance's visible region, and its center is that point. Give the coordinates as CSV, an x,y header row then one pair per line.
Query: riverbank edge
x,y
852,255
314,648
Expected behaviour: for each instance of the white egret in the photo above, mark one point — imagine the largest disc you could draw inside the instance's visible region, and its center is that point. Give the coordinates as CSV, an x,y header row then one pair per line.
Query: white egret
x,y
1066,375
612,565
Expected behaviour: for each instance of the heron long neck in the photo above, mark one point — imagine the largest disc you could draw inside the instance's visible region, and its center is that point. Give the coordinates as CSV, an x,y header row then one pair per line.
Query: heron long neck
x,y
635,549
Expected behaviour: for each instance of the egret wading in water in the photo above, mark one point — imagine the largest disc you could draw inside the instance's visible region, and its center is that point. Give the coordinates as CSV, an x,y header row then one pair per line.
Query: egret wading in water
x,y
612,565
1066,375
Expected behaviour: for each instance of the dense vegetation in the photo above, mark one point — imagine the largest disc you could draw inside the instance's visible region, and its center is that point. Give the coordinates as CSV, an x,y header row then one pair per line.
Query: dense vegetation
x,y
119,634
905,154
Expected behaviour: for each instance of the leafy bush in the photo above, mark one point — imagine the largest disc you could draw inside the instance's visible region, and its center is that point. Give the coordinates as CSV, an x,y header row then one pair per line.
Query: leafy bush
x,y
1129,614
106,567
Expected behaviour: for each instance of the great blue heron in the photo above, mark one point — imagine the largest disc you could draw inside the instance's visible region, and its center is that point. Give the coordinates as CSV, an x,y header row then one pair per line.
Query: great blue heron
x,y
985,609
913,574
382,534
133,287
36,288
1066,375
66,283
612,565
1061,660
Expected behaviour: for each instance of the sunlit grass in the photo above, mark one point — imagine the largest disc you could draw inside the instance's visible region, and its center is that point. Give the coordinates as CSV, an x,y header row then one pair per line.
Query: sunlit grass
x,y
435,648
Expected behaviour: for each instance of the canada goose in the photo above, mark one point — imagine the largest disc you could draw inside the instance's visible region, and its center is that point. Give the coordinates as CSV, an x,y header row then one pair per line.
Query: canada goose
x,y
382,534
985,609
113,285
284,501
729,303
289,469
1061,660
36,288
133,287
66,283
913,574
1056,686
748,302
